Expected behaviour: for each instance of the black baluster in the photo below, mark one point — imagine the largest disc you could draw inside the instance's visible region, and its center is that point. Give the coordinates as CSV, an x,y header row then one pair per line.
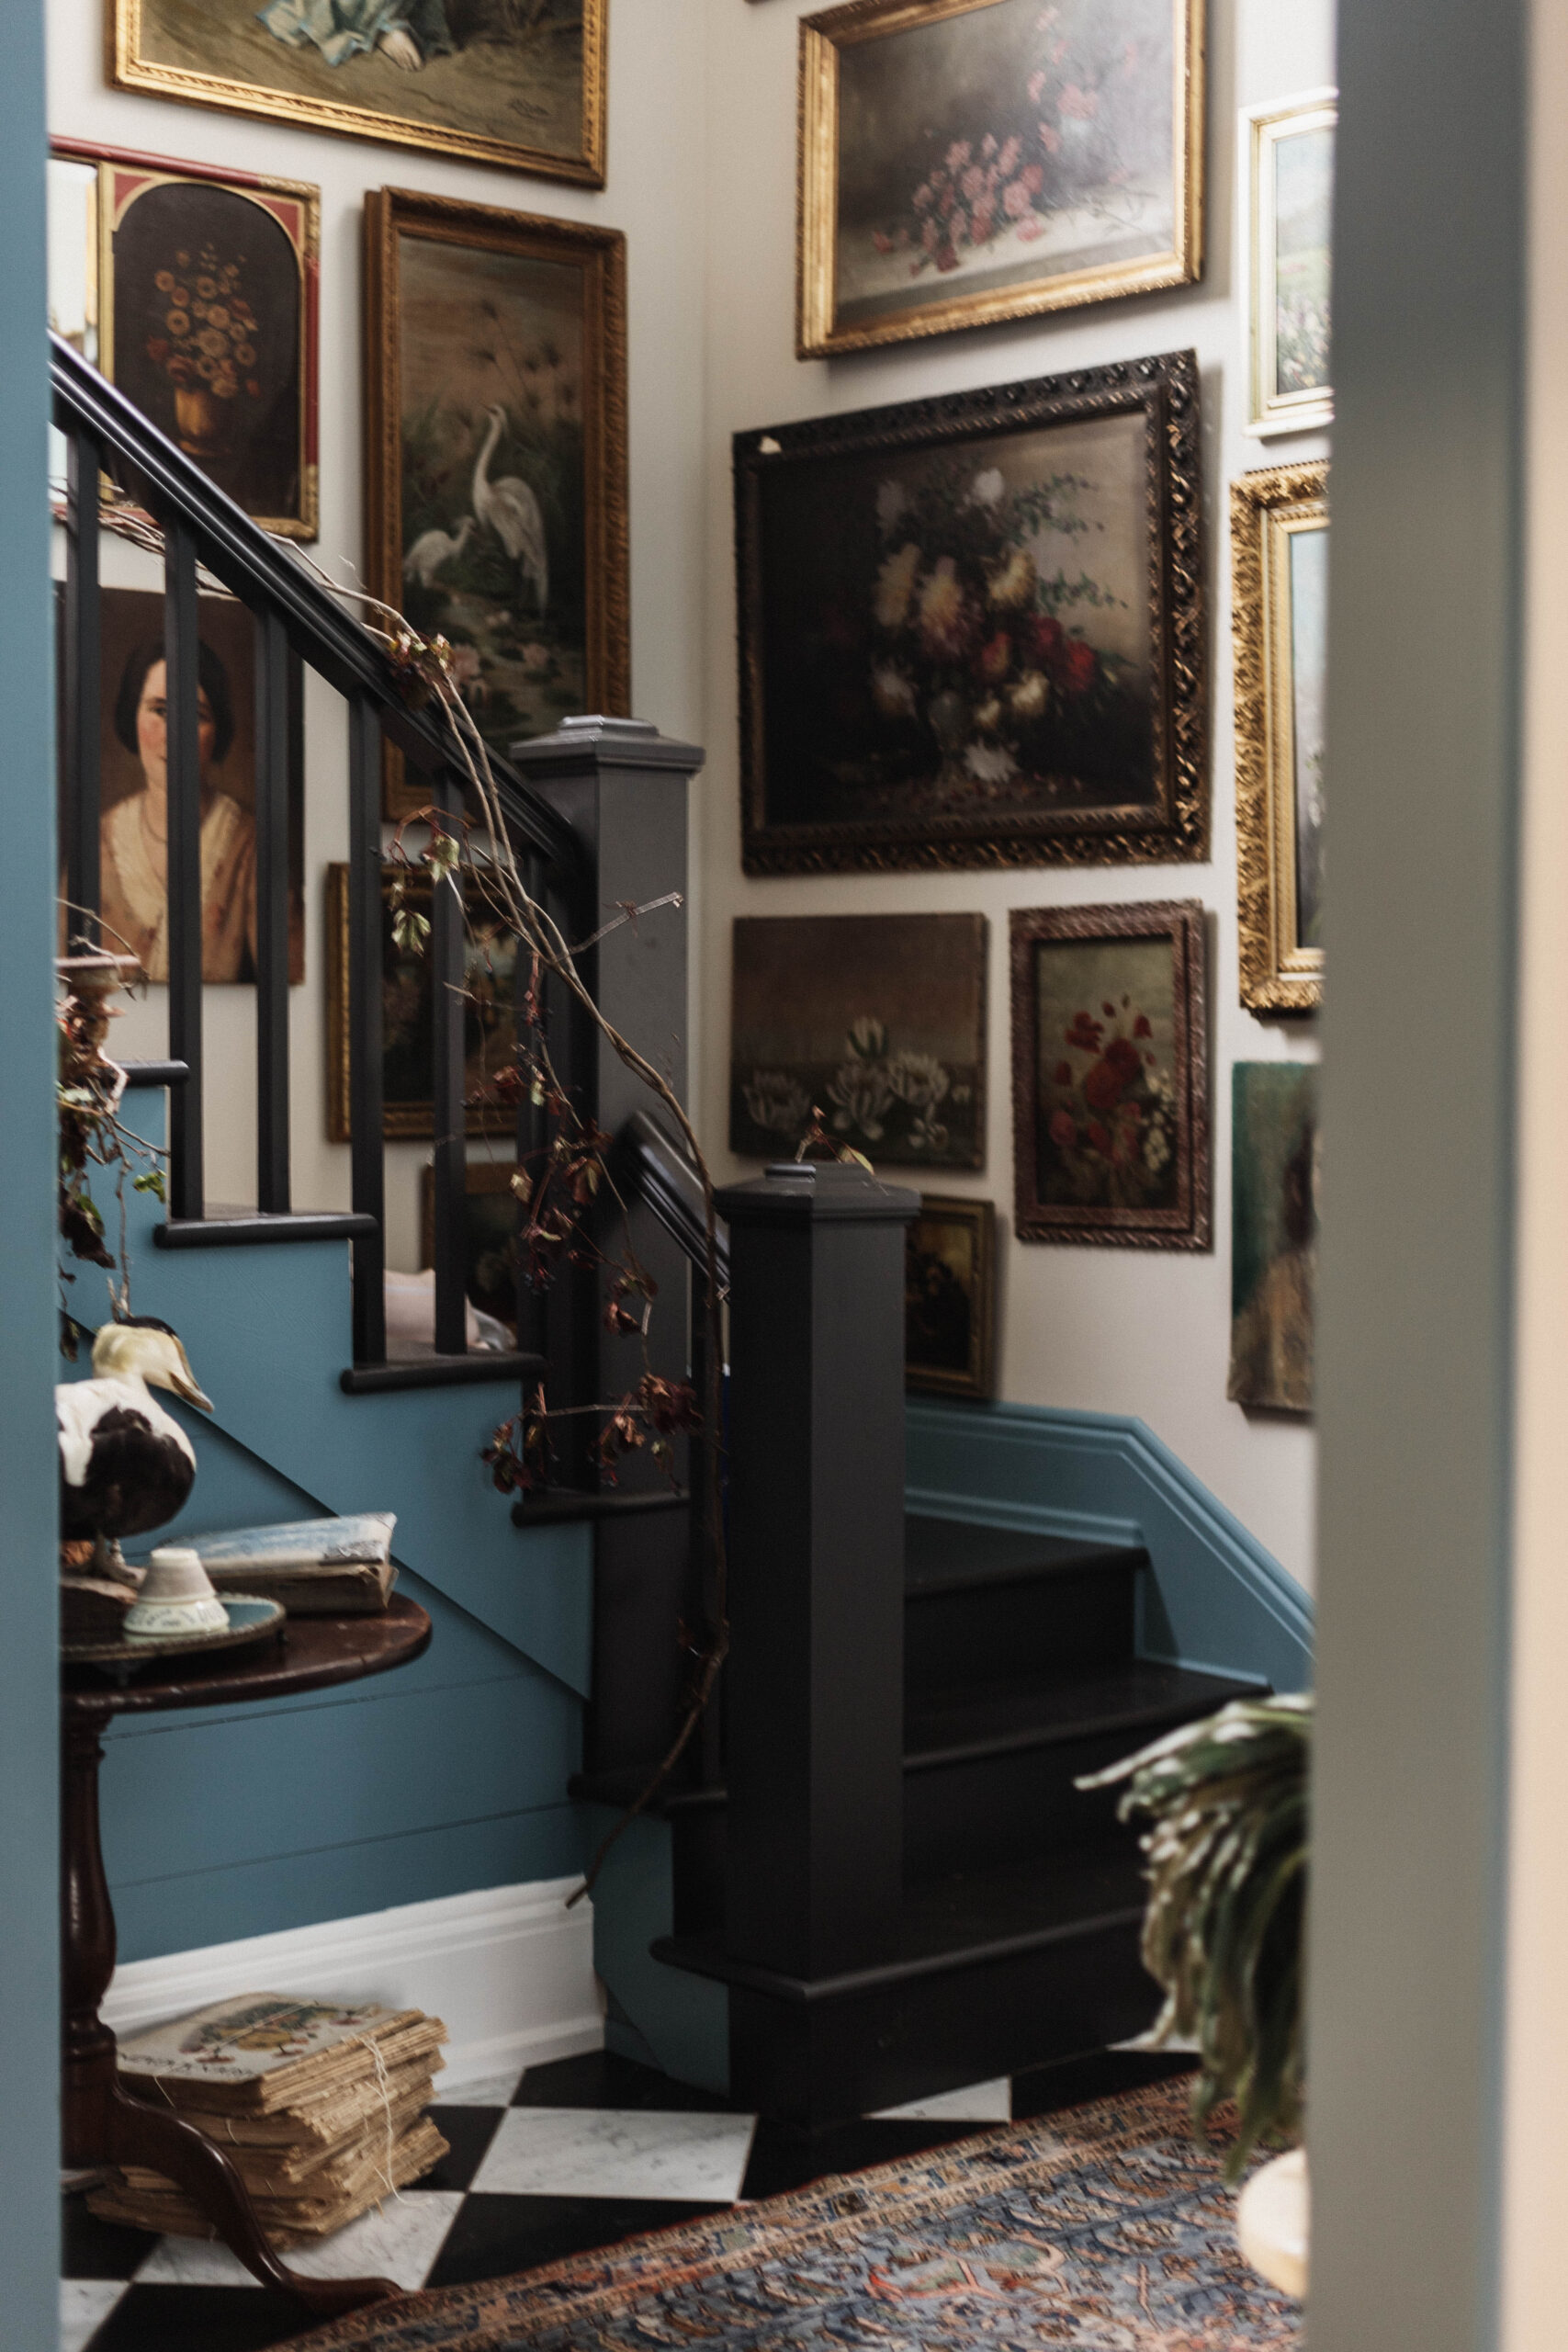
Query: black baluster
x,y
272,751
183,929
84,688
449,1117
365,982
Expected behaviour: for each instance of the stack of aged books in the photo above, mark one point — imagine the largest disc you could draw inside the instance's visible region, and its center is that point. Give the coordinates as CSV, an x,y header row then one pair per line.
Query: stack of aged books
x,y
316,1568
320,2107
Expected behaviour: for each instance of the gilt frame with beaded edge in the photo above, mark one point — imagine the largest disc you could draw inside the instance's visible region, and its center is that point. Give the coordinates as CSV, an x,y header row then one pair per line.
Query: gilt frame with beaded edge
x,y
1168,821
1279,974
1263,129
130,67
1181,1103
390,215
821,330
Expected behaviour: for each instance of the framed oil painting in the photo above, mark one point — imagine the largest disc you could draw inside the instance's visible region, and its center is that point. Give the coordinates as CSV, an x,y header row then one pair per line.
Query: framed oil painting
x,y
950,1294
203,288
1280,623
490,1212
519,83
496,367
971,629
1288,170
967,160
1109,1075
408,1045
877,1021
134,826
1274,1194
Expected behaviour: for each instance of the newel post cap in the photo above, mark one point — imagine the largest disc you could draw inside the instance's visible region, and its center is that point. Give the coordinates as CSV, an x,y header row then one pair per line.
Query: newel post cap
x,y
809,1192
580,745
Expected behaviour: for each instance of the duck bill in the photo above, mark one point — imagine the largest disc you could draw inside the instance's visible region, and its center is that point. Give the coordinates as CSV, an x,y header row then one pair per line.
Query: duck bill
x,y
183,1383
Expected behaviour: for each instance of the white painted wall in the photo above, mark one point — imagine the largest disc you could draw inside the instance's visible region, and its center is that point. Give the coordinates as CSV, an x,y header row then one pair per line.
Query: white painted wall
x,y
1126,1332
701,178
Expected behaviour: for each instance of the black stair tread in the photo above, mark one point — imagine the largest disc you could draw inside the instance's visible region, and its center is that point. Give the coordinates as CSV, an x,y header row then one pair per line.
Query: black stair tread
x,y
949,1554
1142,1696
960,1916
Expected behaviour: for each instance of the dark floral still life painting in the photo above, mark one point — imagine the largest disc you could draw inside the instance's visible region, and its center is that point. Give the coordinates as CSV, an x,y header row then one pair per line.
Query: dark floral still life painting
x,y
1110,1118
876,1021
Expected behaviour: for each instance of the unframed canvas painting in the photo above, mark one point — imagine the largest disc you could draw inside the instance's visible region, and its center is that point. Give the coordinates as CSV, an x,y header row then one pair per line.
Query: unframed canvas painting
x,y
518,81
876,1021
1274,1205
993,157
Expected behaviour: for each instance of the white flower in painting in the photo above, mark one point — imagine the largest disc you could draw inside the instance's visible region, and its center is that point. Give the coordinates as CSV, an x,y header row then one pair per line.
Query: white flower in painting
x,y
895,585
989,489
776,1102
927,1134
867,1038
893,690
860,1091
891,500
918,1079
991,763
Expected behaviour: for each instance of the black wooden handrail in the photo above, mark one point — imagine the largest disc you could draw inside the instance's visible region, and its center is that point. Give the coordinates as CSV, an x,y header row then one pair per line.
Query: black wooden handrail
x,y
261,571
648,1167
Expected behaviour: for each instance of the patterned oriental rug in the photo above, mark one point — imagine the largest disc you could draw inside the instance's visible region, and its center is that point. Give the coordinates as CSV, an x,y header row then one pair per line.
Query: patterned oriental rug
x,y
1104,2229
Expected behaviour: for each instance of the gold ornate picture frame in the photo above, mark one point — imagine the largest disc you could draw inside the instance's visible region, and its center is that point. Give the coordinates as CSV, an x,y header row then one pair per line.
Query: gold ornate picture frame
x,y
950,1298
967,160
1287,169
496,513
519,85
1278,587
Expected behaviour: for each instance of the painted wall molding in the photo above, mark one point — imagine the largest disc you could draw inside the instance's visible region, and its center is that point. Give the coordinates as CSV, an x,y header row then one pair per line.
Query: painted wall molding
x,y
509,1968
1215,1597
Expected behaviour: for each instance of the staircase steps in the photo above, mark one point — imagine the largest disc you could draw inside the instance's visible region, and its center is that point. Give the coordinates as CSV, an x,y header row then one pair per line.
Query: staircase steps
x,y
1017,1937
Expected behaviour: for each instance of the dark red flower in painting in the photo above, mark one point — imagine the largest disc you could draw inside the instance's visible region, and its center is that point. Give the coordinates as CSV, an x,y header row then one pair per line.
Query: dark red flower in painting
x,y
1098,1137
1141,1027
1064,1134
1084,1034
1077,666
1063,1074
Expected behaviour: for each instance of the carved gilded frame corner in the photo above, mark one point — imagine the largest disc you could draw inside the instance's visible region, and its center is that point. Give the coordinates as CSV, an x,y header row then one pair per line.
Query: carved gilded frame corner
x,y
819,330
1267,508
130,66
391,213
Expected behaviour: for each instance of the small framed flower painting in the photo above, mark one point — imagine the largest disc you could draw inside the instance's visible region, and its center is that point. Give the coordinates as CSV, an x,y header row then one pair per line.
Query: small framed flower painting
x,y
971,629
1109,1075
967,160
202,291
1280,622
872,1025
950,1297
1288,167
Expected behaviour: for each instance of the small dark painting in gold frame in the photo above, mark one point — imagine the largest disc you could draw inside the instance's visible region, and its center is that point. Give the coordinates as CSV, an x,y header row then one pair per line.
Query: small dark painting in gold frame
x,y
950,1292
1109,1075
496,454
408,1016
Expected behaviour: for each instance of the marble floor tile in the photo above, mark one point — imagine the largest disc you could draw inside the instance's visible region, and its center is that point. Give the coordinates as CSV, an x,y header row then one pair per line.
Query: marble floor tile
x,y
976,2103
603,2152
399,2240
494,2236
604,2078
83,2305
199,2318
490,2090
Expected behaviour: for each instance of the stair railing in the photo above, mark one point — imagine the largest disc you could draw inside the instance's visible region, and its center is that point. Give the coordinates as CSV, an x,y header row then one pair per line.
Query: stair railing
x,y
299,627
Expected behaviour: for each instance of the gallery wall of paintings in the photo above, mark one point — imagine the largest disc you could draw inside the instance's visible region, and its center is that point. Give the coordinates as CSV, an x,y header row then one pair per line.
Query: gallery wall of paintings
x,y
517,154
1056,278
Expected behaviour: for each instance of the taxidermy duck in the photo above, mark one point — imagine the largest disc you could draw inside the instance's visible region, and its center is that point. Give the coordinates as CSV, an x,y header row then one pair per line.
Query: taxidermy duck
x,y
125,1464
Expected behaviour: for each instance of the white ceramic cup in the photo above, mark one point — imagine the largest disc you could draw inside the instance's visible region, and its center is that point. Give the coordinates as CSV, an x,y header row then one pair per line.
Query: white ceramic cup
x,y
176,1597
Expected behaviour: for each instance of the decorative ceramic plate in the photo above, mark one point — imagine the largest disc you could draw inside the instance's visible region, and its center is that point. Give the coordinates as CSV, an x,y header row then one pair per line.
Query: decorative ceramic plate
x,y
250,1619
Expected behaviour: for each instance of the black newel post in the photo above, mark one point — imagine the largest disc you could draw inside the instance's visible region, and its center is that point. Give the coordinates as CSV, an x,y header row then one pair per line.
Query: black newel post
x,y
622,788
815,1701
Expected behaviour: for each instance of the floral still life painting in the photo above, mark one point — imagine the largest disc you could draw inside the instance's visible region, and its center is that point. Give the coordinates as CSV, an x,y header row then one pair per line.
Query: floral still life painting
x,y
969,628
1274,1194
1109,1105
509,81
1289,155
876,1021
496,352
967,160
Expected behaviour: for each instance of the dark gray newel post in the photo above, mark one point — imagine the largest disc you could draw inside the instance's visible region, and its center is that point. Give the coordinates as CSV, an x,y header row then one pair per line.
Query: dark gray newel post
x,y
816,1698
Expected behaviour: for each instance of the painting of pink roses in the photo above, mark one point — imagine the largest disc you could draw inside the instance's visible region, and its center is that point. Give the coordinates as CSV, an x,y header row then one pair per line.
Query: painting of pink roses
x,y
1110,1107
967,160
969,627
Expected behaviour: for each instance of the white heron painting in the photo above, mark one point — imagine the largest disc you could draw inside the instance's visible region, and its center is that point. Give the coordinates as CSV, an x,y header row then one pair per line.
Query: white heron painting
x,y
493,496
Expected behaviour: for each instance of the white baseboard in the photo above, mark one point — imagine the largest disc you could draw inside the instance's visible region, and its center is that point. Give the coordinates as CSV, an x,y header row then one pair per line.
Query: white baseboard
x,y
509,1968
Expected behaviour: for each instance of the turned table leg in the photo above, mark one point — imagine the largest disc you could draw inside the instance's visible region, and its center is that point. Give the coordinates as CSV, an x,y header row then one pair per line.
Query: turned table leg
x,y
102,2122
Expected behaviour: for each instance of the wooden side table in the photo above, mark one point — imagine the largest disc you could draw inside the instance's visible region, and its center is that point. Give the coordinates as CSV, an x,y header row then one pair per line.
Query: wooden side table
x,y
104,2120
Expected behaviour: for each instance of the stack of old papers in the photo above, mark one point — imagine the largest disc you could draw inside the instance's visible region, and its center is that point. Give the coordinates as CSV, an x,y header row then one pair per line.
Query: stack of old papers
x,y
320,2107
316,1568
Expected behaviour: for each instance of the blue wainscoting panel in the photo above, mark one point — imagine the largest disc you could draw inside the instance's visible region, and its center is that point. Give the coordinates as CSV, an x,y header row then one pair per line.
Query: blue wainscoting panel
x,y
659,2016
1214,1599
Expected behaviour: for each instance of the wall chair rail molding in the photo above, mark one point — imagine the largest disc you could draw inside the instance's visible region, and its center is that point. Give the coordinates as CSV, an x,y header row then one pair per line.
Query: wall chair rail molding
x,y
1213,1599
509,1968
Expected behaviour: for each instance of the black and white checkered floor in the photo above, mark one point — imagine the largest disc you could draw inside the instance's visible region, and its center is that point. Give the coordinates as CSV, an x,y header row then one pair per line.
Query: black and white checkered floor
x,y
573,2155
